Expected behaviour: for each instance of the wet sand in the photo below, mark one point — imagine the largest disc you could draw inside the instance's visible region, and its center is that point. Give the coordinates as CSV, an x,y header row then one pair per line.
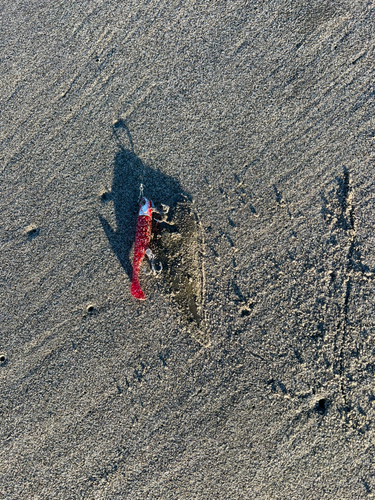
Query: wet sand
x,y
249,370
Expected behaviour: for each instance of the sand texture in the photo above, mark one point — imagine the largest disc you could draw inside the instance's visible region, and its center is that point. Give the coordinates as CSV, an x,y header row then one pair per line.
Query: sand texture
x,y
248,373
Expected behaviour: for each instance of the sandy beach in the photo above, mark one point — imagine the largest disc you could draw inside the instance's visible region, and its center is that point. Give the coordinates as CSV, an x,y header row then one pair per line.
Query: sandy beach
x,y
248,372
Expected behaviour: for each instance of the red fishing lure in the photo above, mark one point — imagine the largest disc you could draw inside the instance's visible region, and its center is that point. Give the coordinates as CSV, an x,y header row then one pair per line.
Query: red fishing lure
x,y
142,240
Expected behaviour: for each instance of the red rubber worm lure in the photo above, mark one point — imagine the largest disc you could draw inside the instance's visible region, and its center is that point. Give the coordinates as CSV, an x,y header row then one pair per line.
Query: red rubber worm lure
x,y
142,240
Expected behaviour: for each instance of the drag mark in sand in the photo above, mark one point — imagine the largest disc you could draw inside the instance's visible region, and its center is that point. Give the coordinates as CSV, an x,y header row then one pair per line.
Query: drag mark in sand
x,y
338,212
345,220
181,251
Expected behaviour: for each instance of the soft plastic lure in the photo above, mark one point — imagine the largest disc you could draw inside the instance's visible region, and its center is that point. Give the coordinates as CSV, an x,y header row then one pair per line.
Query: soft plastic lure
x,y
142,240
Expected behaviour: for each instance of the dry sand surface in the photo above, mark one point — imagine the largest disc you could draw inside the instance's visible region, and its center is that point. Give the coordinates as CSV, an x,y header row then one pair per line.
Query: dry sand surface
x,y
248,373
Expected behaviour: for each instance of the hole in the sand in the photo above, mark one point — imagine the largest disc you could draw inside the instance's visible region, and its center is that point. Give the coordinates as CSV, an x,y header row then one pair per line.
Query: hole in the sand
x,y
32,231
90,308
321,406
119,124
245,310
105,197
2,358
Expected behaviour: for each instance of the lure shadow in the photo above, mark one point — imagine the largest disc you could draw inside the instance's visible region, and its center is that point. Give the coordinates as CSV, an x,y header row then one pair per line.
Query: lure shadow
x,y
127,174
